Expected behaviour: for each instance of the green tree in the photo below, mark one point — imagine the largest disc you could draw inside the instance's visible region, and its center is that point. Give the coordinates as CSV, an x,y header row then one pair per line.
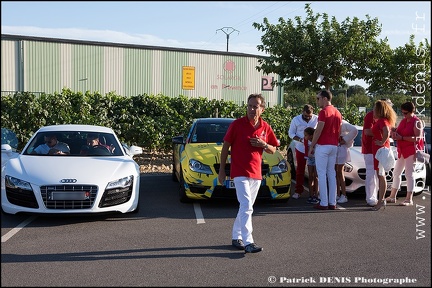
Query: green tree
x,y
300,51
405,69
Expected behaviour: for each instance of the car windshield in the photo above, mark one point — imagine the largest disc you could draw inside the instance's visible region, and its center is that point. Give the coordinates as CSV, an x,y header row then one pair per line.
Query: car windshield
x,y
209,132
74,143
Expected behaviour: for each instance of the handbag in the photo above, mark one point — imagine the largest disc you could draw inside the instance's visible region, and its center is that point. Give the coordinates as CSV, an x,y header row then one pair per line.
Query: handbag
x,y
422,156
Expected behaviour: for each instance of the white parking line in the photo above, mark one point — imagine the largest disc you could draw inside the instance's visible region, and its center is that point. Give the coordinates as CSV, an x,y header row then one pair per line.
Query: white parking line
x,y
198,213
15,230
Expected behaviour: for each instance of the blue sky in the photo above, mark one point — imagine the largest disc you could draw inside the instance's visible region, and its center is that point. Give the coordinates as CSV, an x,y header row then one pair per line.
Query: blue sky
x,y
198,25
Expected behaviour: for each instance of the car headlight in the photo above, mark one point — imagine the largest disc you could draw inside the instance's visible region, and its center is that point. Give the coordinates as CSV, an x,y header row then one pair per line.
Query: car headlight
x,y
199,167
281,167
348,168
16,183
121,183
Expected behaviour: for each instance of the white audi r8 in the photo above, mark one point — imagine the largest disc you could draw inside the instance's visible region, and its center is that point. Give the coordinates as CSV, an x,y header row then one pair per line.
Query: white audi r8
x,y
85,179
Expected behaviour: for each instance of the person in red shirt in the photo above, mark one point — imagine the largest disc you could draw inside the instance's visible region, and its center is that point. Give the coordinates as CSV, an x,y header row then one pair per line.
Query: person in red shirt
x,y
371,181
247,137
408,137
326,140
385,119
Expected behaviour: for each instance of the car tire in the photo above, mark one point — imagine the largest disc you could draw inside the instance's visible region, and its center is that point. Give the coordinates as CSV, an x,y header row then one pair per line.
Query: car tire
x,y
290,159
173,174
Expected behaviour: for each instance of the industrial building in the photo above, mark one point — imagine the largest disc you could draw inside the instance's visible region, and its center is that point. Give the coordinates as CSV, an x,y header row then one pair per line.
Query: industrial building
x,y
47,65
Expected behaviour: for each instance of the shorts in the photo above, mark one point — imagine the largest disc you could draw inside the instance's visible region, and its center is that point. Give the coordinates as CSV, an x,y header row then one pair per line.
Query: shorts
x,y
310,161
341,155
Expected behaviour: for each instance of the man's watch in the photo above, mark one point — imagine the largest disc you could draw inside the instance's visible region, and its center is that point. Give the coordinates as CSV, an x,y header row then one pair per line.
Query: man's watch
x,y
266,146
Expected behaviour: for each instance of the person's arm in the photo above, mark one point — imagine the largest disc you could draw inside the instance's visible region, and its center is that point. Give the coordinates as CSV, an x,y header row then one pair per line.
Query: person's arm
x,y
269,148
418,127
292,131
223,158
385,136
316,136
352,133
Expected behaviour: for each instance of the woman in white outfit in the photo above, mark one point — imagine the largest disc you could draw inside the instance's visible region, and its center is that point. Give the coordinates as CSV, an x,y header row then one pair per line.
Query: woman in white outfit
x,y
346,141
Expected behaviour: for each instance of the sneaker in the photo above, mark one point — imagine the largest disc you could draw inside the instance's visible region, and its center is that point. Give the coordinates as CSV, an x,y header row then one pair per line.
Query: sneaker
x,y
295,196
342,199
238,243
252,248
313,200
337,197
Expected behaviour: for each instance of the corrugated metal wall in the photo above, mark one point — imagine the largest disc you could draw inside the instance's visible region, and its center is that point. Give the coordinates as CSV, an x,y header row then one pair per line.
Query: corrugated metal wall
x,y
49,65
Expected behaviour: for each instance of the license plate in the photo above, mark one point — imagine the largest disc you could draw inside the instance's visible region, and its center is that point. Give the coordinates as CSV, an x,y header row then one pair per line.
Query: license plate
x,y
76,195
229,184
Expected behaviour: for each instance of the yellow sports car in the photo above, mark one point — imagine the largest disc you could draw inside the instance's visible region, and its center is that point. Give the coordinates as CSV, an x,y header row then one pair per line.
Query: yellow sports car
x,y
196,162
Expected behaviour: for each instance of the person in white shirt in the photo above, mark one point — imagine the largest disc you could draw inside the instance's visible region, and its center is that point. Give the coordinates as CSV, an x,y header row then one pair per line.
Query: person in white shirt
x,y
52,146
296,133
346,141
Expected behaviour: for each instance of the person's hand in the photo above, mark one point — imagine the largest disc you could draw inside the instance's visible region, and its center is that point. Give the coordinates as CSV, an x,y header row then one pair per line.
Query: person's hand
x,y
221,176
378,143
257,142
311,151
54,151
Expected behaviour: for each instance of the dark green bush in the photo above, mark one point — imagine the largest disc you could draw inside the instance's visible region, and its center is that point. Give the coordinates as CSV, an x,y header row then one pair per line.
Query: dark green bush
x,y
149,121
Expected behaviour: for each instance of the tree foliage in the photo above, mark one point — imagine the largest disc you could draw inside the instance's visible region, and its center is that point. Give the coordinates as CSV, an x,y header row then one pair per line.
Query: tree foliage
x,y
300,50
404,69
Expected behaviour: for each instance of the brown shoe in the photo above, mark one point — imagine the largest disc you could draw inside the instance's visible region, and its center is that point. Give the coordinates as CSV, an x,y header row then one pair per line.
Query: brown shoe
x,y
318,206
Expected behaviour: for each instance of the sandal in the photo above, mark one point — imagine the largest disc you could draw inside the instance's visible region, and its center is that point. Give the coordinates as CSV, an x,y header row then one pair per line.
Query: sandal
x,y
406,203
390,200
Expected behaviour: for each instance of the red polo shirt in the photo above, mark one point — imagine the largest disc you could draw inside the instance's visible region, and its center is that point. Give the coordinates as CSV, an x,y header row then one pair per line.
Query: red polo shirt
x,y
245,158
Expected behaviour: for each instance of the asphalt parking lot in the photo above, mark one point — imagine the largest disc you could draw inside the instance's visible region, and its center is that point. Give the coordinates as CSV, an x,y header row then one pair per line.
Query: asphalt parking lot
x,y
169,243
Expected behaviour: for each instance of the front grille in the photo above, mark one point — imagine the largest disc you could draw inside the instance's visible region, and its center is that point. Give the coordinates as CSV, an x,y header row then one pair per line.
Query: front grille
x,y
116,196
264,168
46,192
21,197
362,173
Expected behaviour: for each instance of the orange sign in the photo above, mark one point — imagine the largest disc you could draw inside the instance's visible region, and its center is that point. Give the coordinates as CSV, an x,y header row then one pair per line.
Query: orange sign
x,y
188,78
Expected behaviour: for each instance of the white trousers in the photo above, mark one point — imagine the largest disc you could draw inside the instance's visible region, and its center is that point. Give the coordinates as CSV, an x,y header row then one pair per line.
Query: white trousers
x,y
247,192
325,160
401,164
371,180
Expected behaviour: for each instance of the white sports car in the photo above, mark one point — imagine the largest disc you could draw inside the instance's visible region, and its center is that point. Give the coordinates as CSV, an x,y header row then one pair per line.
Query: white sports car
x,y
355,170
86,179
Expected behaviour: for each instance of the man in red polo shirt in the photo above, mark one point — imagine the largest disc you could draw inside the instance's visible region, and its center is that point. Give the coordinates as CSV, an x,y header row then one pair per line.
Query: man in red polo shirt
x,y
248,137
324,145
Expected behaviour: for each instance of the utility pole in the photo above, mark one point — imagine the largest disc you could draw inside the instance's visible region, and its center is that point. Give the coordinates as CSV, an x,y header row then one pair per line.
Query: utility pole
x,y
227,31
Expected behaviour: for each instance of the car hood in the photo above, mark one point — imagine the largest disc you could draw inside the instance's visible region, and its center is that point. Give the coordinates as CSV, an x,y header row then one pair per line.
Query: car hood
x,y
204,152
357,157
210,153
41,170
